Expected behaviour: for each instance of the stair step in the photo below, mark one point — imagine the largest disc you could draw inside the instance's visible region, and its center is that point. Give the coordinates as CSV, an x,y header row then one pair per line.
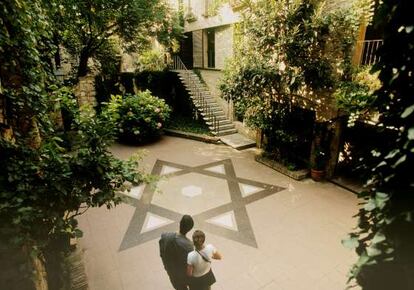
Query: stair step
x,y
223,128
217,114
210,104
222,122
192,91
199,88
191,81
213,105
204,96
238,141
207,99
196,89
225,132
218,118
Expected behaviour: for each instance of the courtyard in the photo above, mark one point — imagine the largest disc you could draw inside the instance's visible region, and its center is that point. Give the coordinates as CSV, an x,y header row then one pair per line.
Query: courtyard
x,y
284,128
274,232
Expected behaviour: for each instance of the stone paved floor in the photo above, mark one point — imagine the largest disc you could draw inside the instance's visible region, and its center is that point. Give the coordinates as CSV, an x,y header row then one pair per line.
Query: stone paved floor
x,y
274,232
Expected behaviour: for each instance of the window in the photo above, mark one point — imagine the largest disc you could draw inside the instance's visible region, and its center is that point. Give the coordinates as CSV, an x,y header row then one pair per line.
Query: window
x,y
211,49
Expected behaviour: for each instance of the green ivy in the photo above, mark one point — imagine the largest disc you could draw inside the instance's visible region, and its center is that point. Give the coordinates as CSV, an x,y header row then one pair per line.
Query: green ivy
x,y
356,96
284,49
48,176
286,54
384,239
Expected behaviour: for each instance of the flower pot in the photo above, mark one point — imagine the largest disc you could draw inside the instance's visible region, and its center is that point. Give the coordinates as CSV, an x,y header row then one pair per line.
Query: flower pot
x,y
317,175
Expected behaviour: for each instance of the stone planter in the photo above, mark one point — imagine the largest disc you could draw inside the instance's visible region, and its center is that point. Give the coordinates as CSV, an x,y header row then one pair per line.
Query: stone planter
x,y
295,174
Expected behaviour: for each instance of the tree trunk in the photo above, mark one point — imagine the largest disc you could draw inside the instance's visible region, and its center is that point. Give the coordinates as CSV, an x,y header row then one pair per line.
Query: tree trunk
x,y
83,63
39,273
36,265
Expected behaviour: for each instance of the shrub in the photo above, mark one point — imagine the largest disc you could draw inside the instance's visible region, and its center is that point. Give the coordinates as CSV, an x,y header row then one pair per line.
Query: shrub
x,y
357,94
151,60
140,117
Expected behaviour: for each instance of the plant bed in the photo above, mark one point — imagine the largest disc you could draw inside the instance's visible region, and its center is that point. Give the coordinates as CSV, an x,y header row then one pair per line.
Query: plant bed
x,y
188,124
298,174
193,136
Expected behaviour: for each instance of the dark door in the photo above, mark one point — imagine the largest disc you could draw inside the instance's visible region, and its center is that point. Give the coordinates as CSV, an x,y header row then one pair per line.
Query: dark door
x,y
186,50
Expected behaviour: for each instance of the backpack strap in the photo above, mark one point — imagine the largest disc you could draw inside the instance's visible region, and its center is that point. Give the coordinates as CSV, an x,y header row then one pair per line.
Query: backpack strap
x,y
203,256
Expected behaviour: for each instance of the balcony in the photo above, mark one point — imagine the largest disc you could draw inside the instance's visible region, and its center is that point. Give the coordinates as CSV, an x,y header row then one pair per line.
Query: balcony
x,y
366,51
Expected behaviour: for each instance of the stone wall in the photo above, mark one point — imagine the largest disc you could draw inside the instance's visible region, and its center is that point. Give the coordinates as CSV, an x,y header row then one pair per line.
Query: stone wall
x,y
223,45
212,80
247,131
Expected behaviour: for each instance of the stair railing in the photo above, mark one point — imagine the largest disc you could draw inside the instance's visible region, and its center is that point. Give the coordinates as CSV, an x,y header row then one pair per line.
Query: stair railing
x,y
195,89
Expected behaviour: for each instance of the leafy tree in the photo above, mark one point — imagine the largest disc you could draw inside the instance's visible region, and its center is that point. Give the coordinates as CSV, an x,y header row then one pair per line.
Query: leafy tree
x,y
48,177
288,51
87,26
385,238
288,54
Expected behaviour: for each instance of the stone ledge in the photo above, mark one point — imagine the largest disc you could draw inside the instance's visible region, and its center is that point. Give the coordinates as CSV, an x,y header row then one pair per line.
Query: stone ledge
x,y
192,136
296,174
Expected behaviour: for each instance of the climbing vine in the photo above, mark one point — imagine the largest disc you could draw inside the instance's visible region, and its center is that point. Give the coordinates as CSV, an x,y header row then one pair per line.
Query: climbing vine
x,y
384,239
286,49
48,176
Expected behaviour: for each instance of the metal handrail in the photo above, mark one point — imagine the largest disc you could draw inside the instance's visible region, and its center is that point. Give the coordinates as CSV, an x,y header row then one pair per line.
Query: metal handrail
x,y
194,87
369,50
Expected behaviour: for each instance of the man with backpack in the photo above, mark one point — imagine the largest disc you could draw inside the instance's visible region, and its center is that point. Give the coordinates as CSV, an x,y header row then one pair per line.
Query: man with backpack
x,y
174,248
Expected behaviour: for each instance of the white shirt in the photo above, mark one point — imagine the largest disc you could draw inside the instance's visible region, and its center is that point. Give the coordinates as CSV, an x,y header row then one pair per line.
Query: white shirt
x,y
201,267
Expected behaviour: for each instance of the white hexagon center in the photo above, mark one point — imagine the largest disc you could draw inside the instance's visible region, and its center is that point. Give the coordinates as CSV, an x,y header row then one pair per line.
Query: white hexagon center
x,y
191,191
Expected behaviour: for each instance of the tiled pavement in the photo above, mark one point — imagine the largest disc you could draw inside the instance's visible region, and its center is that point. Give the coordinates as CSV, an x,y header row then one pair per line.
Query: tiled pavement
x,y
274,232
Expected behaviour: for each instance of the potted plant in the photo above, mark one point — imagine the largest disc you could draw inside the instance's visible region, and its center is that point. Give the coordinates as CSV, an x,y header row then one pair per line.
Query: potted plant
x,y
318,165
190,17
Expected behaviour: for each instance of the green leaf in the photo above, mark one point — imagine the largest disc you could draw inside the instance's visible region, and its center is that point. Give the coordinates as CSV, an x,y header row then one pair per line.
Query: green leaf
x,y
378,238
408,111
78,233
410,135
363,259
399,161
372,251
350,243
392,154
382,195
370,205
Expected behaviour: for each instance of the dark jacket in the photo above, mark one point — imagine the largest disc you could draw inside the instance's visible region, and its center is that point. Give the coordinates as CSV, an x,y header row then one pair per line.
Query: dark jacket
x,y
174,249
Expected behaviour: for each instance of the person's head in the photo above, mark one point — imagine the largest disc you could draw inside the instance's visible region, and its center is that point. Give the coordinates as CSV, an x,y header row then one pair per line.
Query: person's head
x,y
198,239
186,224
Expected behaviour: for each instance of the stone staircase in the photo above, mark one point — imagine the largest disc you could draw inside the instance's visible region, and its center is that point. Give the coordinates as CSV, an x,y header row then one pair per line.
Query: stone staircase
x,y
211,111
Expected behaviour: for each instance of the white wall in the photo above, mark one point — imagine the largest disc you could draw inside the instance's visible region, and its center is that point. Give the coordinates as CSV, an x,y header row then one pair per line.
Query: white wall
x,y
225,15
223,46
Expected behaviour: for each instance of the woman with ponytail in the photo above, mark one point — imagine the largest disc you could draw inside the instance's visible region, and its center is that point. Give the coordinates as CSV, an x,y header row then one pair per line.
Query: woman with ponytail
x,y
199,263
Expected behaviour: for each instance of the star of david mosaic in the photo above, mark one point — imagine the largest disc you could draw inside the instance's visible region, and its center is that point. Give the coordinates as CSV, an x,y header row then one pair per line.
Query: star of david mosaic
x,y
211,193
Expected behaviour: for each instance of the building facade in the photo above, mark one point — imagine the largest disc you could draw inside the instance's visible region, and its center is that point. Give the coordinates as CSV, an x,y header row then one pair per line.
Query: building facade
x,y
209,30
